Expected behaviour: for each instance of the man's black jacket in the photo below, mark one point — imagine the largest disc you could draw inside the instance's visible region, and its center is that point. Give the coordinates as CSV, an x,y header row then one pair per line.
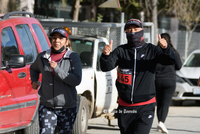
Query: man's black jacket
x,y
136,69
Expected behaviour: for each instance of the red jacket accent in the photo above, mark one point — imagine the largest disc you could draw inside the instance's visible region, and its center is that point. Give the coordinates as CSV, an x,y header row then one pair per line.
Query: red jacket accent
x,y
123,103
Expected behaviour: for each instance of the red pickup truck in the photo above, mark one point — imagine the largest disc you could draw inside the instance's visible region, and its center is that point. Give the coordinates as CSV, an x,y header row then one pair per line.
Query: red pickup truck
x,y
22,38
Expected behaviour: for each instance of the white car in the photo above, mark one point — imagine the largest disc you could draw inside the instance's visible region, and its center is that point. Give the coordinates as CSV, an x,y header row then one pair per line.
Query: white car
x,y
187,77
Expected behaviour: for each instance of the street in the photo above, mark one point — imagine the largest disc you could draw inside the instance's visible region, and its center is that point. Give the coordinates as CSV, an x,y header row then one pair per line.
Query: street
x,y
181,120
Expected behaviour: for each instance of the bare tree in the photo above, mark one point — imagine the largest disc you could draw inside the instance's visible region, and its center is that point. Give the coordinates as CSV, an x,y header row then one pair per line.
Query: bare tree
x,y
76,10
151,13
93,10
76,13
27,5
154,19
9,5
4,6
188,13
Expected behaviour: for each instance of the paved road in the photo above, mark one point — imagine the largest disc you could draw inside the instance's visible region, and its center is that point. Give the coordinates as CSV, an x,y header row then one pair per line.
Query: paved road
x,y
181,120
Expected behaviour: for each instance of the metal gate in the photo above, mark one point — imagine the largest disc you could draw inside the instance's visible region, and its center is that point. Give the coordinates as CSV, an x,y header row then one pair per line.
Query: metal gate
x,y
114,31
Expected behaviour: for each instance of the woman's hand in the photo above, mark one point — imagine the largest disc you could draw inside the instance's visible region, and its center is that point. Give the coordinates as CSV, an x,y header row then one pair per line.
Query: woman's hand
x,y
35,84
53,64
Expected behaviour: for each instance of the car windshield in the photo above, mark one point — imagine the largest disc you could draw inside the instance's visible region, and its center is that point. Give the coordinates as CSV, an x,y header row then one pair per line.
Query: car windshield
x,y
84,48
193,61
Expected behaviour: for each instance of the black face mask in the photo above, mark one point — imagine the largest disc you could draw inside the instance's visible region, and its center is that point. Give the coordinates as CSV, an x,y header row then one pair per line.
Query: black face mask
x,y
135,39
58,51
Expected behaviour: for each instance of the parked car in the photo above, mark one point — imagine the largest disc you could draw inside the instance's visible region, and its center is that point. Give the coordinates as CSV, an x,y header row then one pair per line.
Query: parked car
x,y
22,38
187,77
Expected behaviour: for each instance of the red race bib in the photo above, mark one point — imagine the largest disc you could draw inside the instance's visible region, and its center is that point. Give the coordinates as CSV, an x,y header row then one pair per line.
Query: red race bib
x,y
124,76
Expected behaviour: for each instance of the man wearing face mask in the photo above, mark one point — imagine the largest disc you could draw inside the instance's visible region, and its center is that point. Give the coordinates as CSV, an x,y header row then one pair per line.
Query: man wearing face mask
x,y
136,62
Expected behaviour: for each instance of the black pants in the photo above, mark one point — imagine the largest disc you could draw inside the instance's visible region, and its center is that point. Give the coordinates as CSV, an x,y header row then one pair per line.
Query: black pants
x,y
136,120
164,92
63,118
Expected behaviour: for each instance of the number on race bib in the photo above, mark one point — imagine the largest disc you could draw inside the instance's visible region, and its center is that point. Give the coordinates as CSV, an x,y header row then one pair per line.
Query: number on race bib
x,y
124,78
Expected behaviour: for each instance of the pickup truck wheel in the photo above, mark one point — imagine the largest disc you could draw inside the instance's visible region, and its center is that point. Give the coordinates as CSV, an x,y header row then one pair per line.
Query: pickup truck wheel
x,y
81,122
34,128
197,101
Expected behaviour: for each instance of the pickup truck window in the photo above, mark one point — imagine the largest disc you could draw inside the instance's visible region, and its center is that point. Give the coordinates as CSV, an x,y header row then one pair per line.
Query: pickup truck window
x,y
84,48
41,37
28,42
100,49
8,45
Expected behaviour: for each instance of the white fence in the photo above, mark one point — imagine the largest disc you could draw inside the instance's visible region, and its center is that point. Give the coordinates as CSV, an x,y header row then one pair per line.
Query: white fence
x,y
115,32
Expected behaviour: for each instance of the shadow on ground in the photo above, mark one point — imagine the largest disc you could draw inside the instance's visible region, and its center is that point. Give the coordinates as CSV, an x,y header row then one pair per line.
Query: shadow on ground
x,y
103,128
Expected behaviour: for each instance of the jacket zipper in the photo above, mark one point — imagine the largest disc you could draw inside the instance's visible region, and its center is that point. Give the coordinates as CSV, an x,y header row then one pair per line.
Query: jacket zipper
x,y
53,94
54,99
134,75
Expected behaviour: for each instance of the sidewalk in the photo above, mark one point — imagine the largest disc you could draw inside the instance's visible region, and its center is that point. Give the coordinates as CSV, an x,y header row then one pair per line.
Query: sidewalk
x,y
181,120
